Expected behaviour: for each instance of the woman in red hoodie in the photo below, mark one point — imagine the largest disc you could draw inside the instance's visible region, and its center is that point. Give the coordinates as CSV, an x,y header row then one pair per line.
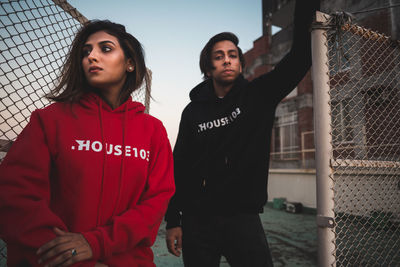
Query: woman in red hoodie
x,y
88,180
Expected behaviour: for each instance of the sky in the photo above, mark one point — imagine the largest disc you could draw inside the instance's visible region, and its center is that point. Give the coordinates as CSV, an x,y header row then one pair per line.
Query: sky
x,y
172,33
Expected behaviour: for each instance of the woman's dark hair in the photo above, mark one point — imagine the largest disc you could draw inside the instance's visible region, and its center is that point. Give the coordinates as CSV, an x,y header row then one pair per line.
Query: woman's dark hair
x,y
205,55
72,83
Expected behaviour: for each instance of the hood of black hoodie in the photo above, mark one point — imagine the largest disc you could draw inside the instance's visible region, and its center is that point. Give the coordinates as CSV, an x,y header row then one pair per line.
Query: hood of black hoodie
x,y
204,91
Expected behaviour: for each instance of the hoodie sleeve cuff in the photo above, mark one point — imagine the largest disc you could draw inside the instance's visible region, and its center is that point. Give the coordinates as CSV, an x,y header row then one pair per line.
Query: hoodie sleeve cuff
x,y
172,225
94,243
173,219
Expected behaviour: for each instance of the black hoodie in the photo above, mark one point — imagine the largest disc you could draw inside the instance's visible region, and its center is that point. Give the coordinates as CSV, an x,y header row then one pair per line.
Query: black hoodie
x,y
221,156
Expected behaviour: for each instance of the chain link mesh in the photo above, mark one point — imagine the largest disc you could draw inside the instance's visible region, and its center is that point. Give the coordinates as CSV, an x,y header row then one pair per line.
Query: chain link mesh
x,y
35,38
365,120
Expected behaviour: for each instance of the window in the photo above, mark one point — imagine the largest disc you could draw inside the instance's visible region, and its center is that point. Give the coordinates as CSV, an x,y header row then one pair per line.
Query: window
x,y
339,56
342,130
292,93
285,136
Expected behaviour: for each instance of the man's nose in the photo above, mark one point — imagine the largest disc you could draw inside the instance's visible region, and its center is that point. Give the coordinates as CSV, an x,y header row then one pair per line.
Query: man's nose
x,y
227,61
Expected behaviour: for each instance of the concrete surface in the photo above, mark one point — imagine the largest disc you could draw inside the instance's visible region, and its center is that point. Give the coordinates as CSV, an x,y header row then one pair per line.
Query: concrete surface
x,y
292,239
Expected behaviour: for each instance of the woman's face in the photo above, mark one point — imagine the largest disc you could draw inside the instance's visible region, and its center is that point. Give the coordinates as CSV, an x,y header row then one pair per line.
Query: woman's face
x,y
104,62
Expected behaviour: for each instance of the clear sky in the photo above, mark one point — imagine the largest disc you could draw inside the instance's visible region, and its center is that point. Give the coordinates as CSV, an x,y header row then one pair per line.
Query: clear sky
x,y
172,33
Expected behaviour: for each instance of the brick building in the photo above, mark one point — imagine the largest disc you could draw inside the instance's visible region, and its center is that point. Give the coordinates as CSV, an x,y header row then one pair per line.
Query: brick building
x,y
292,138
292,146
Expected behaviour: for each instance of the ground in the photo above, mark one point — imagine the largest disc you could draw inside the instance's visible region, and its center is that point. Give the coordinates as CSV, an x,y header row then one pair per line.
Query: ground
x,y
292,239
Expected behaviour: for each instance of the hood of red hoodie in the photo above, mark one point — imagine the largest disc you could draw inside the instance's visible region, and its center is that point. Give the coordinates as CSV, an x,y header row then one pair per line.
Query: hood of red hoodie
x,y
92,101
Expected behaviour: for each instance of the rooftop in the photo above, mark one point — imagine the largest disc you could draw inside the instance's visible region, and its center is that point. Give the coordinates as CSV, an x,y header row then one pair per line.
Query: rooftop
x,y
292,238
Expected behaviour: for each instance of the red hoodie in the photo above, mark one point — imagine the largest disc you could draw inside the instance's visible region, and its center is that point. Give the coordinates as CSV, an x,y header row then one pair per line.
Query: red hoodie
x,y
85,168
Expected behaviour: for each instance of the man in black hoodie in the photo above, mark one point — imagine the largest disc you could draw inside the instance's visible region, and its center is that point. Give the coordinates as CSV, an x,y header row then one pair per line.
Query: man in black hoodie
x,y
222,151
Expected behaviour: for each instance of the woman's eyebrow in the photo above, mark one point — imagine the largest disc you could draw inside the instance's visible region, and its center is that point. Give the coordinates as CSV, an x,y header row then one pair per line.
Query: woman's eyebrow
x,y
107,41
101,43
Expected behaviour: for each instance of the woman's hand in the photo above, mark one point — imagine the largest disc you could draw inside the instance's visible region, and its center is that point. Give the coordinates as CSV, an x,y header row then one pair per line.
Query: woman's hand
x,y
64,250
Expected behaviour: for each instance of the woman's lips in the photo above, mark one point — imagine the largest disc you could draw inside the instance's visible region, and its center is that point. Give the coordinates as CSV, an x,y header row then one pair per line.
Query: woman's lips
x,y
94,69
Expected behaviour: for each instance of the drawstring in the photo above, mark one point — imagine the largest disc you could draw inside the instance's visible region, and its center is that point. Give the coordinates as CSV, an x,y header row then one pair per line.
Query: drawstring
x,y
121,171
104,160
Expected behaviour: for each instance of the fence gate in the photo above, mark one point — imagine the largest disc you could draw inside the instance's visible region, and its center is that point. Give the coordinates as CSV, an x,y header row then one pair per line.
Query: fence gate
x,y
35,38
356,75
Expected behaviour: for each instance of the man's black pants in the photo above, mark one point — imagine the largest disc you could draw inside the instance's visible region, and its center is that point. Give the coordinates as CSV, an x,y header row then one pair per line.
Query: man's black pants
x,y
240,238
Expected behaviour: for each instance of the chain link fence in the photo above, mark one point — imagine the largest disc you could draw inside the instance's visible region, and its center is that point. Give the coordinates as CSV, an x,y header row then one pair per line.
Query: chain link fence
x,y
35,38
363,162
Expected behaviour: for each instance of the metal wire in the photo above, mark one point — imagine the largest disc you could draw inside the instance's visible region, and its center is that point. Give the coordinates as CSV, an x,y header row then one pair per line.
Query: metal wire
x,y
35,38
365,119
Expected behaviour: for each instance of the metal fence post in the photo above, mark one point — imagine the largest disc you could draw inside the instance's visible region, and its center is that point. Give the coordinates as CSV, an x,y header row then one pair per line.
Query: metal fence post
x,y
323,138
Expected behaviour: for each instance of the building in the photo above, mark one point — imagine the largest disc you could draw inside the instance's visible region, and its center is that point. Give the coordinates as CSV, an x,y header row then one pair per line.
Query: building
x,y
292,165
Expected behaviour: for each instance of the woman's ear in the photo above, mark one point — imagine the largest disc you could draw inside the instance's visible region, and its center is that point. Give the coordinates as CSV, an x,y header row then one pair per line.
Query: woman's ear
x,y
130,66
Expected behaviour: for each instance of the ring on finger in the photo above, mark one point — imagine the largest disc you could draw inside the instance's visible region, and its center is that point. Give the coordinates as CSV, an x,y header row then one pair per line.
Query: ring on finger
x,y
73,252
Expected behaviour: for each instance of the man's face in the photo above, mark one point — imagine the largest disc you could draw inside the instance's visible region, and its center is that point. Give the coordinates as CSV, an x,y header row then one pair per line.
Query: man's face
x,y
226,63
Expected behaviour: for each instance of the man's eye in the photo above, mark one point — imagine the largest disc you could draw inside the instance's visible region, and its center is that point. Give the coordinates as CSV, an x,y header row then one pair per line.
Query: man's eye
x,y
106,49
218,57
233,56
